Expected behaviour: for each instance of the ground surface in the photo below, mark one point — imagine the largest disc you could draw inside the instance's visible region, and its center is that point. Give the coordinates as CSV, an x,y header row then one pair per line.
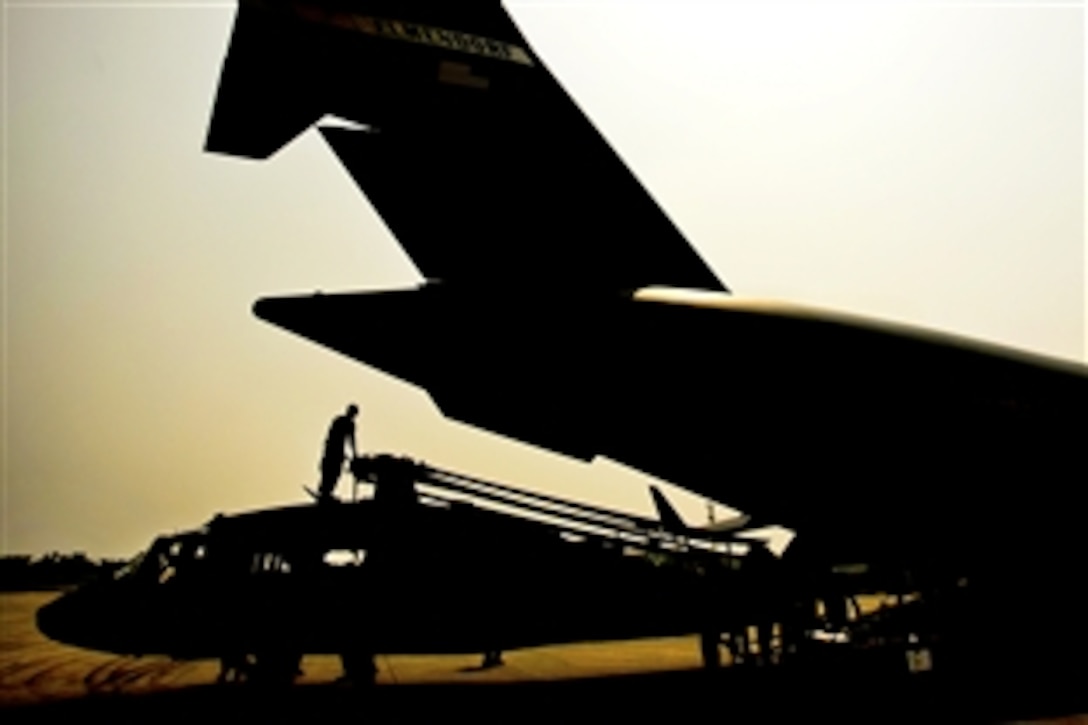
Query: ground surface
x,y
582,682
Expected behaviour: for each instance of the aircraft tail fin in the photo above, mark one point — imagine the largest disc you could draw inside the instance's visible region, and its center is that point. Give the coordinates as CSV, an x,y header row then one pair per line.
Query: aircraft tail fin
x,y
471,152
743,521
670,520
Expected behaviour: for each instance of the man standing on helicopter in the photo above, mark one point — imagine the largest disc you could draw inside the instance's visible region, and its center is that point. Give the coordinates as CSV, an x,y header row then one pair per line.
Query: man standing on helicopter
x,y
341,436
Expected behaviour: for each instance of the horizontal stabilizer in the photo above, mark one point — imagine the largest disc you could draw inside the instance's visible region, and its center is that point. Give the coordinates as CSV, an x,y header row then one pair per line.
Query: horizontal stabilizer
x,y
290,63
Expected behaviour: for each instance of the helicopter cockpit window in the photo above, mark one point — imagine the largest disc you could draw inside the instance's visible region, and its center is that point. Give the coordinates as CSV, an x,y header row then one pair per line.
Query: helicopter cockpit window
x,y
131,567
166,558
344,557
269,563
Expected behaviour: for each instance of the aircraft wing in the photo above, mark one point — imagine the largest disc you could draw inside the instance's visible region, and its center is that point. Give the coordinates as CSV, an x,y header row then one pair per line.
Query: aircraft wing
x,y
475,157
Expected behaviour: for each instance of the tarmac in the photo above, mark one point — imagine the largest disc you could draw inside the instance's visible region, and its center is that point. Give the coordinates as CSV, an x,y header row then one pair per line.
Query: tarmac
x,y
34,669
650,678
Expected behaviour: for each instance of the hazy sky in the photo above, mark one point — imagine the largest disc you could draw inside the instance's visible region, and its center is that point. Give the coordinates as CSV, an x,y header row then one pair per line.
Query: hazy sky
x,y
923,162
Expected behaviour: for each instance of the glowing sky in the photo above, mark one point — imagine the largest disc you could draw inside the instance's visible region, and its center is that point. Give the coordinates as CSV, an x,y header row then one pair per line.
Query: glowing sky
x,y
923,162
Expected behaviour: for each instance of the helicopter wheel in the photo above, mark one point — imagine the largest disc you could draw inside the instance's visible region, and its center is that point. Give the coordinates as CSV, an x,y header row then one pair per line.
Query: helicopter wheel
x,y
234,668
275,668
359,668
710,646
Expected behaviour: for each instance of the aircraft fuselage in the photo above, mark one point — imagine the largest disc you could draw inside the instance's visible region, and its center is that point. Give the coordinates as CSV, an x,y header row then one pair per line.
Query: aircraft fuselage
x,y
848,430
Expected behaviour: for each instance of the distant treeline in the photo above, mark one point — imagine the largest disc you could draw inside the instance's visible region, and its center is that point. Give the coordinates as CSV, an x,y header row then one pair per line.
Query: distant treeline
x,y
52,571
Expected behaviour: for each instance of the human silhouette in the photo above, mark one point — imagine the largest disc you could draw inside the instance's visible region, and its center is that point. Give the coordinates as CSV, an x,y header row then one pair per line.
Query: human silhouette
x,y
341,437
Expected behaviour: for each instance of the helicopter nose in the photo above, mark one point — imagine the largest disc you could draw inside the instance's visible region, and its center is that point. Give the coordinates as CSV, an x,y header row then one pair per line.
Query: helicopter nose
x,y
63,620
82,619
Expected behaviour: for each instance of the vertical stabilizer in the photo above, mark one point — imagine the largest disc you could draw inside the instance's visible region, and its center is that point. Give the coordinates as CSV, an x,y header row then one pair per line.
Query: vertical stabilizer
x,y
474,156
670,520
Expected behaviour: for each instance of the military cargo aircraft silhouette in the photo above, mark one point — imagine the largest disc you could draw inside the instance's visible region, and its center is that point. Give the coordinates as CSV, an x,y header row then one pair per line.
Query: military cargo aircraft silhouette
x,y
563,309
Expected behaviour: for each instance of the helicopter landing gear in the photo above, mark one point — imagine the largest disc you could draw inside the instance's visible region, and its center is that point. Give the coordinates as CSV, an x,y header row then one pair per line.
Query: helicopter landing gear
x,y
359,668
710,644
275,668
234,668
